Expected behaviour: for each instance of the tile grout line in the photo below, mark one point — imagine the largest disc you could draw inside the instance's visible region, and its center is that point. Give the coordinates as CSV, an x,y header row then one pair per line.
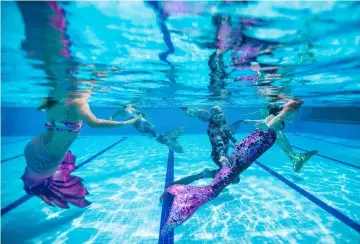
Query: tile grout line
x,y
316,139
337,214
167,201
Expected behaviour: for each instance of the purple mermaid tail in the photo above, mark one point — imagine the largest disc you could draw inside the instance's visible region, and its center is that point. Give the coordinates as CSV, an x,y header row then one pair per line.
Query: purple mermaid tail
x,y
187,198
60,189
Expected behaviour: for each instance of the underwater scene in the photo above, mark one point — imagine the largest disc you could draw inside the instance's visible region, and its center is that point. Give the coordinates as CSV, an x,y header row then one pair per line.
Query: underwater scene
x,y
180,122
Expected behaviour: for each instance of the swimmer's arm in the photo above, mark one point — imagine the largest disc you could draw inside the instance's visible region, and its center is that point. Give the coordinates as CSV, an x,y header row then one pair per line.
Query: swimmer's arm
x,y
289,108
277,119
249,121
85,114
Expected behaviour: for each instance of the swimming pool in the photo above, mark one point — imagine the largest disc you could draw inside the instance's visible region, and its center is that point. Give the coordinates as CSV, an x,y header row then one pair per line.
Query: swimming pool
x,y
271,204
162,57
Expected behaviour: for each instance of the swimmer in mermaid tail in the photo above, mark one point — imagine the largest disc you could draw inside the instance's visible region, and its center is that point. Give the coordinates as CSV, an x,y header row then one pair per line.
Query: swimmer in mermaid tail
x,y
48,159
298,159
220,135
205,116
145,127
49,162
142,125
188,198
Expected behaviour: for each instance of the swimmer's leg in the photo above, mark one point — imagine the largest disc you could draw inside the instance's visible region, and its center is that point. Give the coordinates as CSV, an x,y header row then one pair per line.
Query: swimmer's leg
x,y
284,145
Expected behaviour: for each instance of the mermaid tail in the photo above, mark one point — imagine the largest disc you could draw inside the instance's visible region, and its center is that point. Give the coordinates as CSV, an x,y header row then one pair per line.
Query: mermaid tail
x,y
300,159
187,199
59,189
170,139
174,134
235,126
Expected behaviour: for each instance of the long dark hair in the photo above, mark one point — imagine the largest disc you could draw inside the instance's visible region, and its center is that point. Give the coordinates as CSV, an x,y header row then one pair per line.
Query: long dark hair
x,y
48,103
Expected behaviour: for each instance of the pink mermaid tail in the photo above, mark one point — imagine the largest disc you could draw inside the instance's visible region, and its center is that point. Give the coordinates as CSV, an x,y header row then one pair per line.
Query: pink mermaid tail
x,y
60,189
187,198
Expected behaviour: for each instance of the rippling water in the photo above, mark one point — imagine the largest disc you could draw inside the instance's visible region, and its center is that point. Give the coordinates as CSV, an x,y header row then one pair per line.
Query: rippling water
x,y
182,53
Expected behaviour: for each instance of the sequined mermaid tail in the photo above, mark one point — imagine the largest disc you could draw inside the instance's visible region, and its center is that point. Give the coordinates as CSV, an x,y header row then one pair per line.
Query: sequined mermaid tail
x,y
187,198
60,189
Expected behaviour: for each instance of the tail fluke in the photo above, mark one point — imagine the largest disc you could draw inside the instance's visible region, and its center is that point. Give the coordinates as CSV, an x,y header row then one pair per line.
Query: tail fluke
x,y
170,139
235,126
301,158
187,199
60,189
175,146
174,134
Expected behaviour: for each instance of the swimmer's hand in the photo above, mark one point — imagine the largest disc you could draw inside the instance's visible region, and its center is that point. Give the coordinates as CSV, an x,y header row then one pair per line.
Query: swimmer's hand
x,y
224,161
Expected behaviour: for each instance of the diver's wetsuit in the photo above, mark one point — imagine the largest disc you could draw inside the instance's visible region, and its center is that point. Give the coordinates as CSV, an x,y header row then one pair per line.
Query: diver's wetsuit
x,y
219,137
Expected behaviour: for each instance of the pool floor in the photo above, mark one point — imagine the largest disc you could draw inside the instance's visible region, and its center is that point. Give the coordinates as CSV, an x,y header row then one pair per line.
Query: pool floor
x,y
125,176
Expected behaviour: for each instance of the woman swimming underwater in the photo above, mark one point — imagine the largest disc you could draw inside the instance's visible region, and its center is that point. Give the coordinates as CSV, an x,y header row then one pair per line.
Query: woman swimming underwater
x,y
146,128
297,159
188,198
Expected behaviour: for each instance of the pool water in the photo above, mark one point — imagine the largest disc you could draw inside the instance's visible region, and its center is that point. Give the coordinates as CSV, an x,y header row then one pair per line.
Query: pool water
x,y
162,56
271,204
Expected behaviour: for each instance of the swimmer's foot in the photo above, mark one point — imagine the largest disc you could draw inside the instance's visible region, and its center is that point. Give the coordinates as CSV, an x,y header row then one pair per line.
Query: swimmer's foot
x,y
301,158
